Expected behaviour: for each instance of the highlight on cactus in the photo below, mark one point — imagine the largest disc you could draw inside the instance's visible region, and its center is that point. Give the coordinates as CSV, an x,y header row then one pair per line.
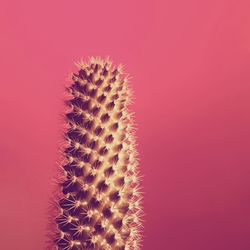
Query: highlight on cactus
x,y
99,201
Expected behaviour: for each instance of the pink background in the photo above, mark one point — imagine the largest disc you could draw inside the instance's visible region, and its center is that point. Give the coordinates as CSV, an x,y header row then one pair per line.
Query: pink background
x,y
190,66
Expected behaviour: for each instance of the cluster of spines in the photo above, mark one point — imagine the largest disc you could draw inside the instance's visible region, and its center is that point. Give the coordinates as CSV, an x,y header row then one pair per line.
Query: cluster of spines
x,y
100,203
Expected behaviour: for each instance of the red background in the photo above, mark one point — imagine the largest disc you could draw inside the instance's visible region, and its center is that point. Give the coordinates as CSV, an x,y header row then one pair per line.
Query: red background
x,y
190,66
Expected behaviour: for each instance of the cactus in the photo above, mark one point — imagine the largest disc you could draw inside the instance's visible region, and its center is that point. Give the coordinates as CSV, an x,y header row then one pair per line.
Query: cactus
x,y
100,202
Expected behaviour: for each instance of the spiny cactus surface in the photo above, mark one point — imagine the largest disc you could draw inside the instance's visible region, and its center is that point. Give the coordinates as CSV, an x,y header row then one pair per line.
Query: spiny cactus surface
x,y
99,206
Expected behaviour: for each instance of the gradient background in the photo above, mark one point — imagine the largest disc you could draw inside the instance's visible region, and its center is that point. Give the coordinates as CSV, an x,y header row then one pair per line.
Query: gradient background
x,y
190,66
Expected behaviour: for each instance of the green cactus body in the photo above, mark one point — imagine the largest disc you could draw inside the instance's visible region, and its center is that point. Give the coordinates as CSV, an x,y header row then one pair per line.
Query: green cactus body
x,y
99,206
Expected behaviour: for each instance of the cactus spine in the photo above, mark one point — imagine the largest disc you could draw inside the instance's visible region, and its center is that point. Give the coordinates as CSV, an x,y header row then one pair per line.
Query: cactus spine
x,y
99,206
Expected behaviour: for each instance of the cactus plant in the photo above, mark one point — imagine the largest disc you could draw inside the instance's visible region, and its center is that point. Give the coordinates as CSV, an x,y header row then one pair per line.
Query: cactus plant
x,y
100,202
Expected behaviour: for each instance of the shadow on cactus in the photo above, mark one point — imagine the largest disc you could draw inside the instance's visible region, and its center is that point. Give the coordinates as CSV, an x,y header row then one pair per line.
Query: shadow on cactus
x,y
99,201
